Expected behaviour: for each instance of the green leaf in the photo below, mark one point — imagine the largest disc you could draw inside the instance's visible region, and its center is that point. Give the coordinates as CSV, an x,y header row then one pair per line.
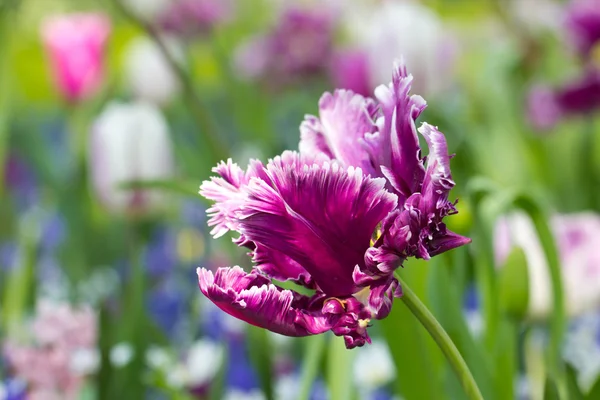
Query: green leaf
x,y
594,391
558,318
260,351
551,391
417,358
315,346
185,188
339,370
514,284
573,386
217,386
446,306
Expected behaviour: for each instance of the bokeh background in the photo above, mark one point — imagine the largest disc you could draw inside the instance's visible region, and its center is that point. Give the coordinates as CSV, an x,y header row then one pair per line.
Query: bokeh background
x,y
112,112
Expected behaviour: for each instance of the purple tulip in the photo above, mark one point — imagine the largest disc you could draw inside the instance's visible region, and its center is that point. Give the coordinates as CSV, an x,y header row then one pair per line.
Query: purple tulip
x,y
583,25
300,45
191,17
338,217
546,106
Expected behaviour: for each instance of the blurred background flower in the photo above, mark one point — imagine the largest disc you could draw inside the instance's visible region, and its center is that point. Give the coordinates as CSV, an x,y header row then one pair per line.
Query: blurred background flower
x,y
113,113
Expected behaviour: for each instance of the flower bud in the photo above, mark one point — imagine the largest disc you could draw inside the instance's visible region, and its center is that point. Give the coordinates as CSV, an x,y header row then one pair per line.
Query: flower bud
x,y
129,142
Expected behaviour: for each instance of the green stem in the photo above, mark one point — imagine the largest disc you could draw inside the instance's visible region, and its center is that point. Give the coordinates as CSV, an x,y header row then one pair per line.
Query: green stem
x,y
201,116
588,168
442,339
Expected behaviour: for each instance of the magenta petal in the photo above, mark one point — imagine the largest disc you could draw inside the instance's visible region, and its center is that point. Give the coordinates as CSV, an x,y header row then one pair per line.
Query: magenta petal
x,y
438,179
278,266
446,240
381,296
321,216
396,145
253,299
228,193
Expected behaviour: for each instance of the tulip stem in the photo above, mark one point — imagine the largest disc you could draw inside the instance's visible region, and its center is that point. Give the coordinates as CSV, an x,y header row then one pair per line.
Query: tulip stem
x,y
445,343
201,116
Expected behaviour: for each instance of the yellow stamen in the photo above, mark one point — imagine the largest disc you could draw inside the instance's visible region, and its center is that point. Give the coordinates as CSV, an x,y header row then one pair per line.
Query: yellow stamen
x,y
342,302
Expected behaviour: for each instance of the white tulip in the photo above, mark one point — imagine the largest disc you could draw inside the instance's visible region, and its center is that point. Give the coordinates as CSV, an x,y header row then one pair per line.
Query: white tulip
x,y
394,29
148,10
582,349
121,354
578,239
148,73
373,366
129,142
85,361
203,362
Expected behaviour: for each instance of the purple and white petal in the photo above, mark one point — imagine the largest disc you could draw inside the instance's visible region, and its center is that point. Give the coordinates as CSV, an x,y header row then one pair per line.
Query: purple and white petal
x,y
321,216
395,146
228,193
345,118
438,179
253,299
445,240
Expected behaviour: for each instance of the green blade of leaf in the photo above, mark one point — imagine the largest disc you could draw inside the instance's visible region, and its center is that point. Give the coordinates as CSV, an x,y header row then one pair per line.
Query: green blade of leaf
x,y
417,359
260,351
315,350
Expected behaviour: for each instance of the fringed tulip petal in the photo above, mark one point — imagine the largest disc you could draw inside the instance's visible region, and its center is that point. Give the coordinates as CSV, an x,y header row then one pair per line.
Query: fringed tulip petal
x,y
253,299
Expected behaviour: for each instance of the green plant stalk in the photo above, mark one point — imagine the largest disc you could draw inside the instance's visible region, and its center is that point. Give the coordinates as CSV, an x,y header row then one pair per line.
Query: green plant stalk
x,y
7,26
442,339
315,347
201,116
588,169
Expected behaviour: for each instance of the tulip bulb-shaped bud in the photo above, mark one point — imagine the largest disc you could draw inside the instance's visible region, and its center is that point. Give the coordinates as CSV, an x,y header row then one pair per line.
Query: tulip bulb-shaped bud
x,y
577,237
75,45
401,28
147,71
129,142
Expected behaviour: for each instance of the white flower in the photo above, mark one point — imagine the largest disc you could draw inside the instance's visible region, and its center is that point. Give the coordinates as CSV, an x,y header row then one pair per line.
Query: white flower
x,y
158,358
537,14
130,142
373,366
121,354
234,394
203,362
147,10
177,377
582,349
148,73
395,29
578,239
85,361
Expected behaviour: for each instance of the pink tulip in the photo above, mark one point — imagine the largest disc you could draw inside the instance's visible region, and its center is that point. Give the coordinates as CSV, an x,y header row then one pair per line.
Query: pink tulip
x,y
75,45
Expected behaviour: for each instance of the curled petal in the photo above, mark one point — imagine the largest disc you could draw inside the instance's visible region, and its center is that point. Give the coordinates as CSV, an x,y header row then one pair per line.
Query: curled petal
x,y
253,299
321,216
278,266
345,118
350,319
381,296
312,139
445,240
438,179
395,146
228,193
